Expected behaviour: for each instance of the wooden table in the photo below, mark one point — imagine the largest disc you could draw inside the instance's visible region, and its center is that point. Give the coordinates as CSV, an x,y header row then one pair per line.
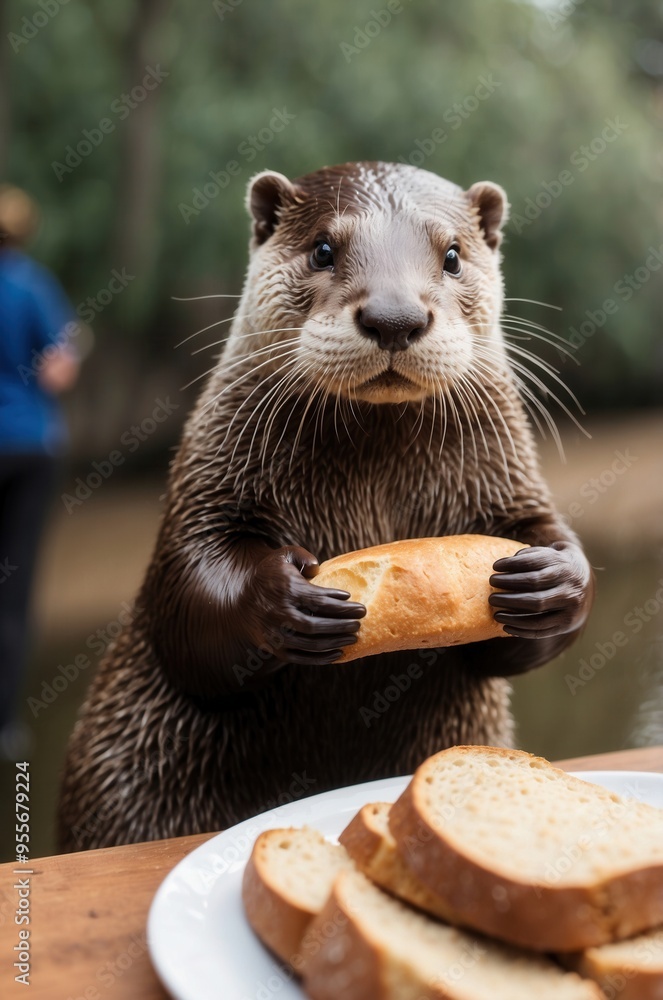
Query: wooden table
x,y
89,910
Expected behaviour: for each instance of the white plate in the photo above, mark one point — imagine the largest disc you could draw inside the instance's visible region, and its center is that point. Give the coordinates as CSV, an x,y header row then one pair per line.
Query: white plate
x,y
199,940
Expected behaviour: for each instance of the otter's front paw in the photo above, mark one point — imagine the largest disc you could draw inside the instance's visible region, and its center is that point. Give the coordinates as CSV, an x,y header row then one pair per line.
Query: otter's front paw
x,y
297,621
543,591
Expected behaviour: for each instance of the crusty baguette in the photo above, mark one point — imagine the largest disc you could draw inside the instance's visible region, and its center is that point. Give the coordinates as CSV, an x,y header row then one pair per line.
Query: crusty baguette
x,y
528,853
370,844
420,592
286,881
370,946
625,970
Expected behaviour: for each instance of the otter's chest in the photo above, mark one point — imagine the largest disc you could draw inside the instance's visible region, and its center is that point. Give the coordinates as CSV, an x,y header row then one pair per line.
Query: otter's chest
x,y
353,496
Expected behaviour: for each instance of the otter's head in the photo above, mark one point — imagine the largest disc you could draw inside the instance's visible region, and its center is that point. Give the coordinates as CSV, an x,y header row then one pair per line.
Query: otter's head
x,y
380,280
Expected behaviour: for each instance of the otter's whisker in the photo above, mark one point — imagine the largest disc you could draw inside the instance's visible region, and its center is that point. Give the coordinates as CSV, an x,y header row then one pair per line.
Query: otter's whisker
x,y
432,421
418,424
216,343
342,401
464,405
526,391
219,449
291,352
462,400
279,396
324,391
513,378
482,390
285,425
356,415
459,426
530,324
261,411
302,420
486,400
443,415
199,298
254,368
471,395
534,302
526,372
510,331
261,408
243,359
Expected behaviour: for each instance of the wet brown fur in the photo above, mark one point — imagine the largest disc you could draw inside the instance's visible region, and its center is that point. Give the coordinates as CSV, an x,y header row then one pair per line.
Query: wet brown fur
x,y
331,471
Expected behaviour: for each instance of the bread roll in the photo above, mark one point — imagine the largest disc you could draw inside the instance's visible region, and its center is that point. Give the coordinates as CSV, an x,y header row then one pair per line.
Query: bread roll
x,y
420,592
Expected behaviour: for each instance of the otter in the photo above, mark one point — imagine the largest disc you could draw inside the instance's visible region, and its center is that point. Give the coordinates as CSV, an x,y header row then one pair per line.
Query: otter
x,y
364,395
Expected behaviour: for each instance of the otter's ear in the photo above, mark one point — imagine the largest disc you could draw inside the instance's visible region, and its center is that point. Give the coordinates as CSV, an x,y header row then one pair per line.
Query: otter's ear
x,y
492,207
268,193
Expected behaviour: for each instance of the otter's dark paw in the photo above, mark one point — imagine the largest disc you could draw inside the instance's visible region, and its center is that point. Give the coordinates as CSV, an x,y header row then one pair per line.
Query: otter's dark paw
x,y
297,621
544,591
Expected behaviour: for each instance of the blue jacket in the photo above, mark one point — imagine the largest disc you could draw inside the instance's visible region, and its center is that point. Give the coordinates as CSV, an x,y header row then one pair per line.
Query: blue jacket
x,y
35,318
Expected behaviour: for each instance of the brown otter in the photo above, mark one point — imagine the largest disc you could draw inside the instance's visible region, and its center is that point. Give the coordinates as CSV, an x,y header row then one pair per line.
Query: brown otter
x,y
364,395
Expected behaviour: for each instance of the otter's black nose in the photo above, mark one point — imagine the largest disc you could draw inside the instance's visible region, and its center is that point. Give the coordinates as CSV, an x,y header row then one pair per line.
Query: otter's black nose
x,y
393,325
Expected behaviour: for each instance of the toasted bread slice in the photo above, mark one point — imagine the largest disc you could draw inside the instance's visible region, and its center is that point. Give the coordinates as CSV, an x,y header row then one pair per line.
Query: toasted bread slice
x,y
370,844
625,970
370,946
286,882
526,852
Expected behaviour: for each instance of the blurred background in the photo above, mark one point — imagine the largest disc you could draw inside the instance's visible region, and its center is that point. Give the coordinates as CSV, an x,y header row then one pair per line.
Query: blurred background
x,y
137,124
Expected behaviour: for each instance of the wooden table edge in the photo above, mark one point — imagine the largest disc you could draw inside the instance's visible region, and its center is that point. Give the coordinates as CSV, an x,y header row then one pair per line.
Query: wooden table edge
x,y
85,925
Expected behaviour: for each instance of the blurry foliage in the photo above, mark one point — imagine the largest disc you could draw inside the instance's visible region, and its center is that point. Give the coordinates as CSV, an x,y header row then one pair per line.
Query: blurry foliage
x,y
229,64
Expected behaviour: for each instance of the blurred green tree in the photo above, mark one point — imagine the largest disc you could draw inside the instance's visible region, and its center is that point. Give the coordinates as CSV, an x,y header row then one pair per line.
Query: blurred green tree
x,y
560,102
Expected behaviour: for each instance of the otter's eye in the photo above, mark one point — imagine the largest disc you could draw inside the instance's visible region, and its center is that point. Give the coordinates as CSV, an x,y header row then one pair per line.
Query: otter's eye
x,y
452,264
322,256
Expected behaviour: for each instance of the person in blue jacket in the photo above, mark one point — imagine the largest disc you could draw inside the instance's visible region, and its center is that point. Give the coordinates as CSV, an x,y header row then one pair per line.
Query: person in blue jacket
x,y
38,361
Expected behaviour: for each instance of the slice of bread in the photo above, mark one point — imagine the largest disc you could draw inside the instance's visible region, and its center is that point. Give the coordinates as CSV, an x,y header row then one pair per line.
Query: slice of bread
x,y
286,882
420,592
370,946
526,852
370,844
625,970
